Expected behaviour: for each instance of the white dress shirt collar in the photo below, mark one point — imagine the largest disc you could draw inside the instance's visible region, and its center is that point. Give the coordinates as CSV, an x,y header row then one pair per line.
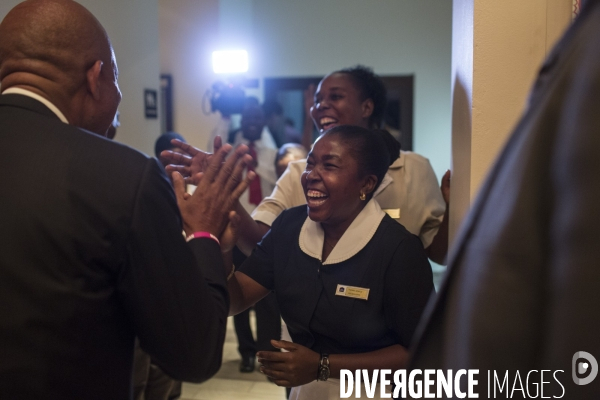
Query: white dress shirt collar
x,y
39,98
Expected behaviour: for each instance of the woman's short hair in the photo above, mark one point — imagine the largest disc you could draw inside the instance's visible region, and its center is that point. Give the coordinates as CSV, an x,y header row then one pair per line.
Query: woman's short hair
x,y
373,149
371,87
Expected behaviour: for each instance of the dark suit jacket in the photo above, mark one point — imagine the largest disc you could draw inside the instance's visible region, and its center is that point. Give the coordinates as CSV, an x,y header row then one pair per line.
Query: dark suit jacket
x,y
522,291
92,254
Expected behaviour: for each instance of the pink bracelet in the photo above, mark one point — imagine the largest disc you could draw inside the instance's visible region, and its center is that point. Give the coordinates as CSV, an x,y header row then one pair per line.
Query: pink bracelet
x,y
207,235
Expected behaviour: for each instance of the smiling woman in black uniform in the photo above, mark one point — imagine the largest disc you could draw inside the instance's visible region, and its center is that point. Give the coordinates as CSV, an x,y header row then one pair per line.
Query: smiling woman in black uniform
x,y
351,281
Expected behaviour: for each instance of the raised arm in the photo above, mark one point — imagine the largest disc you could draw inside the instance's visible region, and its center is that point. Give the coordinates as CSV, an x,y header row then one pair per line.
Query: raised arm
x,y
244,292
192,162
218,191
287,193
175,292
250,231
182,285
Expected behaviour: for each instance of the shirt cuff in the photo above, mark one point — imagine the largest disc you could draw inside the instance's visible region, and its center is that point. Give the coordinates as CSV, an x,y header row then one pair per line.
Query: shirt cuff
x,y
265,217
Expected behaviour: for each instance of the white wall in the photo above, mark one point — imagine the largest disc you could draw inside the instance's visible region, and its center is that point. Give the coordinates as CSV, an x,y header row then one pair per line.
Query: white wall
x,y
132,26
498,50
188,36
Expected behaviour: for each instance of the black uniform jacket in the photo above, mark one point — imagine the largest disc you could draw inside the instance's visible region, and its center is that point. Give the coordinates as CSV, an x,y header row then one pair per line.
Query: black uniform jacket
x,y
392,265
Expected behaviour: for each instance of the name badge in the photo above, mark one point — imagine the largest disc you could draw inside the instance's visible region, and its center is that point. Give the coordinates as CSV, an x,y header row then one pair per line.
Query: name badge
x,y
393,212
352,291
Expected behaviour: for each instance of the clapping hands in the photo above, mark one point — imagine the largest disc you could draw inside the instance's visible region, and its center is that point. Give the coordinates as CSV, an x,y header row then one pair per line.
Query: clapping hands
x,y
220,183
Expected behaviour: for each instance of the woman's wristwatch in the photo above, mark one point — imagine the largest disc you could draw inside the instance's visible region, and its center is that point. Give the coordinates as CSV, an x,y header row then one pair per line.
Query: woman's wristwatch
x,y
323,372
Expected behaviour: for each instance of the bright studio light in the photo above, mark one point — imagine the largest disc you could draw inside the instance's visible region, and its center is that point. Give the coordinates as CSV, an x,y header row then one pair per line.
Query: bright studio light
x,y
230,62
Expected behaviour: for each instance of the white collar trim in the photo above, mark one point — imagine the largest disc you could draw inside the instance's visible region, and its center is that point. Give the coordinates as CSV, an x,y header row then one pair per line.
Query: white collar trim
x,y
39,98
356,237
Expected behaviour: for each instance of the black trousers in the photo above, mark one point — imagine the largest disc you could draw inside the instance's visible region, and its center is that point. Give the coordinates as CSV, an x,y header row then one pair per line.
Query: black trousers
x,y
268,326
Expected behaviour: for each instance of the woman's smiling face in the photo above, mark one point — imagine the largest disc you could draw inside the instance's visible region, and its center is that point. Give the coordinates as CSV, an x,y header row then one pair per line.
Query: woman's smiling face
x,y
332,183
338,102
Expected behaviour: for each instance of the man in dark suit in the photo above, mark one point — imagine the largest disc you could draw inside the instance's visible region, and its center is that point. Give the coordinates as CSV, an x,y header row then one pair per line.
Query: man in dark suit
x,y
92,252
522,286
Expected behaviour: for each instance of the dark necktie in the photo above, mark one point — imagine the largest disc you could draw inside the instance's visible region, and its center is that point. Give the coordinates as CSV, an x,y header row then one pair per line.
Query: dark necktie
x,y
255,195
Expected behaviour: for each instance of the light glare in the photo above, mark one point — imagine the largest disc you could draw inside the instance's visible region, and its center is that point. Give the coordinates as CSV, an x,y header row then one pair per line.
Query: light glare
x,y
230,62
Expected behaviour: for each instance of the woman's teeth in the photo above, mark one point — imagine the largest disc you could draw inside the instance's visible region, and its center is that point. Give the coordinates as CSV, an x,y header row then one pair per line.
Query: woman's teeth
x,y
316,198
316,193
327,122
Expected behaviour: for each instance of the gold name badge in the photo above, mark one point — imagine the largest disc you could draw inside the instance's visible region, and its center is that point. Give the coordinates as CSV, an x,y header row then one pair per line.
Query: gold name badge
x,y
352,291
393,212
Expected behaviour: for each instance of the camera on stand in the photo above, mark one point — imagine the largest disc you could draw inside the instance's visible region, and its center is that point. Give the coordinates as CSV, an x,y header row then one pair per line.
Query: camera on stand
x,y
228,98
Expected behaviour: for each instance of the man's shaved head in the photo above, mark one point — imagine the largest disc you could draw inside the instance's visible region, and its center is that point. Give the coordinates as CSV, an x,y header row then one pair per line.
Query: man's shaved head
x,y
51,47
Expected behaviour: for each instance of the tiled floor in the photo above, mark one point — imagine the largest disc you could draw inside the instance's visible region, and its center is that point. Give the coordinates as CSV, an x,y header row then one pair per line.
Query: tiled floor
x,y
229,383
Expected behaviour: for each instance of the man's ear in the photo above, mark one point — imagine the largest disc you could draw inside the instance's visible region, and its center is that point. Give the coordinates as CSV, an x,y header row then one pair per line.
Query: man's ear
x,y
93,79
367,108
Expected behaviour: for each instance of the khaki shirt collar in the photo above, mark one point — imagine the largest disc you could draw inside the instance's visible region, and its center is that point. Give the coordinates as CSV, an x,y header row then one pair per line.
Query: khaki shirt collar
x,y
387,179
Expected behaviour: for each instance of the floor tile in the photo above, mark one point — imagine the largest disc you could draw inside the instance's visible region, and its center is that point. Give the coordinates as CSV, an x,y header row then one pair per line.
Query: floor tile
x,y
229,383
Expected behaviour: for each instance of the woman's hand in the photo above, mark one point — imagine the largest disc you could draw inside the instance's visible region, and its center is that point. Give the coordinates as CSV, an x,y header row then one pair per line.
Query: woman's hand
x,y
298,366
227,240
219,188
191,163
230,235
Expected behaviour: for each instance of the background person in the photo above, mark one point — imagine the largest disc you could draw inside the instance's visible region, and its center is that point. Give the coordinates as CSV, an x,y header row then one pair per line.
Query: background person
x,y
280,127
340,237
92,253
262,149
268,319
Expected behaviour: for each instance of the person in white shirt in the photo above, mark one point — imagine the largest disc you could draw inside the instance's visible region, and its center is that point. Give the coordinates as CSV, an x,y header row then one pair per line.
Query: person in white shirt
x,y
262,148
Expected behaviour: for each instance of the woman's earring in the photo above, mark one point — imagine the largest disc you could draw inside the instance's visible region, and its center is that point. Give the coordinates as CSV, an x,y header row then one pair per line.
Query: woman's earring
x,y
363,196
